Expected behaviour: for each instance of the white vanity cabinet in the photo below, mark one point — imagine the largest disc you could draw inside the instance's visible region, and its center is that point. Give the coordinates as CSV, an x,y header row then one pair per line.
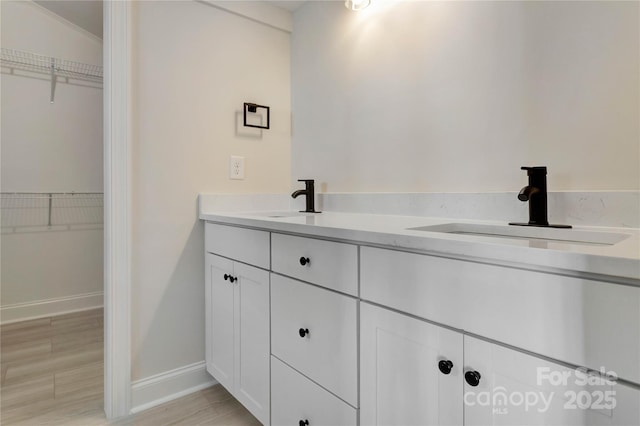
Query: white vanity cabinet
x,y
310,331
237,321
410,371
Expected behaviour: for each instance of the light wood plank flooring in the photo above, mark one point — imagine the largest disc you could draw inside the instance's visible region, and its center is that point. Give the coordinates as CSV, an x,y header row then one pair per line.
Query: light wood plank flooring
x,y
52,374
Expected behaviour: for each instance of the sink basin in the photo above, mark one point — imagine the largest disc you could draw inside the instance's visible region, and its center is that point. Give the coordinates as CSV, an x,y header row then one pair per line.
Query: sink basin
x,y
570,236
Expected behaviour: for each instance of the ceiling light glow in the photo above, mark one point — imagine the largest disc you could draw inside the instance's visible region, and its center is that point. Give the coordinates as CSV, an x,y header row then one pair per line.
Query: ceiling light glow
x,y
357,4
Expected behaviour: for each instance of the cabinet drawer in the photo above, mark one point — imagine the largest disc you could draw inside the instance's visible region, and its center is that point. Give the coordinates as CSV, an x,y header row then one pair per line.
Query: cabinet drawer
x,y
330,264
296,399
246,245
327,354
582,322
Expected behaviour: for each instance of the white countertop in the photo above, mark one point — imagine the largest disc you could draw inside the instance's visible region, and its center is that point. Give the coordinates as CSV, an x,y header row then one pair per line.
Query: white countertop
x,y
619,262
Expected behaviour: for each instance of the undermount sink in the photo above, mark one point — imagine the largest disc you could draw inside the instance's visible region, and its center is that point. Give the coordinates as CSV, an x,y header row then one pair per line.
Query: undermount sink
x,y
570,236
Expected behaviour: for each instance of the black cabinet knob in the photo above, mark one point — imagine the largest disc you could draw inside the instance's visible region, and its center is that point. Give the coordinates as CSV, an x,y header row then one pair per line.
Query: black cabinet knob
x,y
226,276
232,279
445,366
303,332
304,261
303,423
472,377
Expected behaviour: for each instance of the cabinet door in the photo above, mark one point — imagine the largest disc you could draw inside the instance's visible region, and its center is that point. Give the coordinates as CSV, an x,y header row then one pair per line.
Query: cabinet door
x,y
514,388
401,382
219,328
252,340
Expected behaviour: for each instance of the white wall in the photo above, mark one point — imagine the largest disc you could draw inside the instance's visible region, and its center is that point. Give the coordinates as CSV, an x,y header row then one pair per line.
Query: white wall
x,y
49,147
456,96
195,66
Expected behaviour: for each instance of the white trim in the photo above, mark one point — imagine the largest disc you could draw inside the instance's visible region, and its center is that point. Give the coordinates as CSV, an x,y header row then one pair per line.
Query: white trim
x,y
170,385
49,307
117,208
66,22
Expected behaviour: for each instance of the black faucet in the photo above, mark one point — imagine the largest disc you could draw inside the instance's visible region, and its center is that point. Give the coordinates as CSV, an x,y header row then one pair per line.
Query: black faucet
x,y
308,191
536,194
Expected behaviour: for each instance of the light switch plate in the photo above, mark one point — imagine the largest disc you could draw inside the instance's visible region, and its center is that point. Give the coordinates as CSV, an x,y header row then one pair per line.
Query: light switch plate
x,y
236,167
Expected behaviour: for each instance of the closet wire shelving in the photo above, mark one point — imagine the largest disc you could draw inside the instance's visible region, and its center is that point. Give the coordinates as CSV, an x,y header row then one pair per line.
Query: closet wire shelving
x,y
42,211
53,67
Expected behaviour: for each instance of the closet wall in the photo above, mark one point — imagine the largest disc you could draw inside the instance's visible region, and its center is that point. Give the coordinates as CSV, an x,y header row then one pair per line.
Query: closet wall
x,y
49,147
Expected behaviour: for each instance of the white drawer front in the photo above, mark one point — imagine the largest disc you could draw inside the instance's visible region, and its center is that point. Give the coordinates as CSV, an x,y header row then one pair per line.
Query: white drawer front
x,y
583,322
330,264
328,352
296,398
246,245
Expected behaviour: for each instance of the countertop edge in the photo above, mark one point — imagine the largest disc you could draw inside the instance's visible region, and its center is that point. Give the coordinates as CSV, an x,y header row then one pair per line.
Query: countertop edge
x,y
619,270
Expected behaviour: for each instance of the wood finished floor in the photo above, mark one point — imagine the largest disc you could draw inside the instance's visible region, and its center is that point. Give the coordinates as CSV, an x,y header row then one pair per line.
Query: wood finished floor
x,y
52,374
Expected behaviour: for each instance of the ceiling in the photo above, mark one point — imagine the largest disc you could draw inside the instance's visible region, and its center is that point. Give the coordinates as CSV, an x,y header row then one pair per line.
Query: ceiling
x,y
290,5
87,14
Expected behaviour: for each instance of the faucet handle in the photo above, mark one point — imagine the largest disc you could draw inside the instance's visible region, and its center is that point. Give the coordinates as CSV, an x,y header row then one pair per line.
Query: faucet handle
x,y
537,170
308,184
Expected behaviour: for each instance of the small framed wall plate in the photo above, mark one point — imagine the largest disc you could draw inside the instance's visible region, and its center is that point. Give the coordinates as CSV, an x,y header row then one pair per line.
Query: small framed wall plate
x,y
254,110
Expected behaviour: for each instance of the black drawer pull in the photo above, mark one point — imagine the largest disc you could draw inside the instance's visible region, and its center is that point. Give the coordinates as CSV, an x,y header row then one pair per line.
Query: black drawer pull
x,y
226,276
303,423
472,377
305,261
303,332
445,366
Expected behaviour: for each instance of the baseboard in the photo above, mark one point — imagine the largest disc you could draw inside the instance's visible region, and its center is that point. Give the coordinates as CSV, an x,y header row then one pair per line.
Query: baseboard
x,y
170,385
46,308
